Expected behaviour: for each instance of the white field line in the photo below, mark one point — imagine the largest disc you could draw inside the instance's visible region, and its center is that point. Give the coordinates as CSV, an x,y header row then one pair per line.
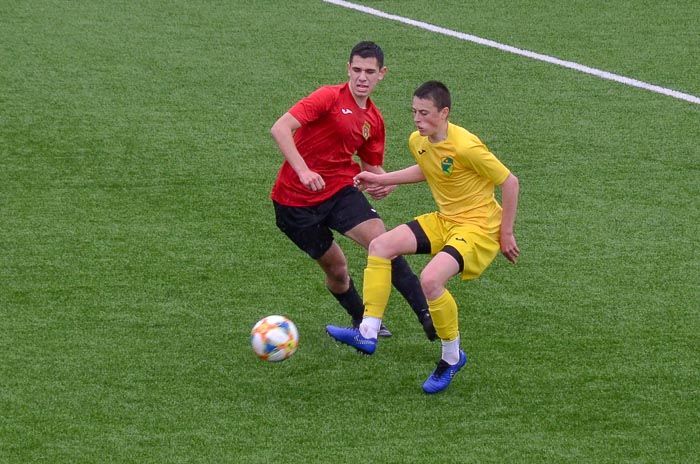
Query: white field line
x,y
507,48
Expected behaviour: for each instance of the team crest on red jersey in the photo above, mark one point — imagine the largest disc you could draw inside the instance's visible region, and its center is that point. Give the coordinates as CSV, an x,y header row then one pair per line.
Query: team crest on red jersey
x,y
365,130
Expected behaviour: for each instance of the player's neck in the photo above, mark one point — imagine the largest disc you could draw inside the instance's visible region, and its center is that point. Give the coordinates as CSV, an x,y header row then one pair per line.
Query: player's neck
x,y
439,135
361,101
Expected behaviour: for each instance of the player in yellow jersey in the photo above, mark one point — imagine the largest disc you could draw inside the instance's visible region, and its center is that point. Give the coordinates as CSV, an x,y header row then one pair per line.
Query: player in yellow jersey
x,y
464,236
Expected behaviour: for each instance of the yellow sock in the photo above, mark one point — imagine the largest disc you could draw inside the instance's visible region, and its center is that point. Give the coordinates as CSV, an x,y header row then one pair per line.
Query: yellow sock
x,y
377,286
443,310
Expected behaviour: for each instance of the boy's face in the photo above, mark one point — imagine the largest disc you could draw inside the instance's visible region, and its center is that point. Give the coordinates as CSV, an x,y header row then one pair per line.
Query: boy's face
x,y
428,119
364,75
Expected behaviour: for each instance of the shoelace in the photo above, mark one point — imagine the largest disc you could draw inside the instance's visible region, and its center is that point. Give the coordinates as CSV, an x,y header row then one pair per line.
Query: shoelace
x,y
442,366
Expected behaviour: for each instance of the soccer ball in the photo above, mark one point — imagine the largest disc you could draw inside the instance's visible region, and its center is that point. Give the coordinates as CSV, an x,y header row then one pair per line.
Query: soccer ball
x,y
274,338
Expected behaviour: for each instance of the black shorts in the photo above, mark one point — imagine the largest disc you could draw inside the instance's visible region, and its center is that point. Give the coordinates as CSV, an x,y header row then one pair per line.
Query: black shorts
x,y
310,227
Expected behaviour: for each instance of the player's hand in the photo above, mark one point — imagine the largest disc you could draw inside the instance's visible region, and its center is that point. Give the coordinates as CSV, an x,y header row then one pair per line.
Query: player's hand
x,y
378,192
365,180
509,248
312,181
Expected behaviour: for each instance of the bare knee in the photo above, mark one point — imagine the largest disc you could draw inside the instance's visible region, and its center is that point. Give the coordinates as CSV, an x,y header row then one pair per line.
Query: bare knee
x,y
380,246
396,242
337,276
432,286
335,267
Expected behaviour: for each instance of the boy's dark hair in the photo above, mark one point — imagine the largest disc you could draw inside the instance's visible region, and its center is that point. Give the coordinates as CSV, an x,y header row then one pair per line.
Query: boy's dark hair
x,y
368,50
435,91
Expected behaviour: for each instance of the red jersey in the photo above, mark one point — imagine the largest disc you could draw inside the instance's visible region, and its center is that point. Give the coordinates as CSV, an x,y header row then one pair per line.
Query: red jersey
x,y
333,128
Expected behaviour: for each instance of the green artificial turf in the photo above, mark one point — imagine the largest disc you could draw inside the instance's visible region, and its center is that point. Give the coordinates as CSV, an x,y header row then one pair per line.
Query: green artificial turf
x,y
138,244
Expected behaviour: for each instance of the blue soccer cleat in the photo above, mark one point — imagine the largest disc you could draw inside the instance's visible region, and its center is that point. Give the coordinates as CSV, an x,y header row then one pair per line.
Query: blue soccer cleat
x,y
383,330
443,373
351,336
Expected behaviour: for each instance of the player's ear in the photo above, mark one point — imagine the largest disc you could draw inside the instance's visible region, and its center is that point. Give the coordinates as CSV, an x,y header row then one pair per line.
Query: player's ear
x,y
382,72
445,112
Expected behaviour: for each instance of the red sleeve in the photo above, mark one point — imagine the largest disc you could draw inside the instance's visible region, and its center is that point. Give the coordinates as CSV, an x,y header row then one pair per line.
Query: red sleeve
x,y
315,105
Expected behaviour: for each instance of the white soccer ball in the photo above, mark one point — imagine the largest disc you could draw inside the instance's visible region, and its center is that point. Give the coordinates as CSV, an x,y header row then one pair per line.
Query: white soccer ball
x,y
274,338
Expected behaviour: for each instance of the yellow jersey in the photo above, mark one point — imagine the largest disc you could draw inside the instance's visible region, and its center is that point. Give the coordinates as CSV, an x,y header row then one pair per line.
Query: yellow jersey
x,y
461,173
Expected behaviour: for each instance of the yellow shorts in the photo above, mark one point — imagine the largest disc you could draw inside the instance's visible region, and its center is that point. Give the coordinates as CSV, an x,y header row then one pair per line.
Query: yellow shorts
x,y
477,248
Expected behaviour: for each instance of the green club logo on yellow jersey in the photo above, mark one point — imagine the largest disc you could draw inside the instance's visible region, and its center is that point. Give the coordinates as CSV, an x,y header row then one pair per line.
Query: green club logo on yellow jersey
x,y
447,164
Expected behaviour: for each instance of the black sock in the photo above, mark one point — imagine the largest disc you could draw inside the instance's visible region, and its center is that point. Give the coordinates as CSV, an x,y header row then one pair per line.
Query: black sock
x,y
408,284
352,302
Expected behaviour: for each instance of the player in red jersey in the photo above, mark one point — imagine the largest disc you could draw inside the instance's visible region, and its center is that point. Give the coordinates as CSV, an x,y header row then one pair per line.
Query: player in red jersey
x,y
314,193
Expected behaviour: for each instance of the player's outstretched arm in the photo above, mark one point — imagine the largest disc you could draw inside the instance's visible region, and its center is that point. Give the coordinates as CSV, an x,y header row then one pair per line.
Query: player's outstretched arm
x,y
409,175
